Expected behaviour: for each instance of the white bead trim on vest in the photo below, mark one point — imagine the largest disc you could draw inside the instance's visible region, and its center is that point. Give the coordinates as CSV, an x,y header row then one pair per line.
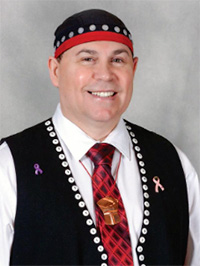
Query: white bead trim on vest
x,y
81,202
77,195
146,213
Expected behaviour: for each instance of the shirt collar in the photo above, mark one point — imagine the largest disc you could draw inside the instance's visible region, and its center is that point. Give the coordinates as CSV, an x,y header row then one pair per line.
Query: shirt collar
x,y
78,142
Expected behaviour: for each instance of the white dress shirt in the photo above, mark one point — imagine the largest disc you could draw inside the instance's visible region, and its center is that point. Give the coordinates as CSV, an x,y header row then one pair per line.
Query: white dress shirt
x,y
75,144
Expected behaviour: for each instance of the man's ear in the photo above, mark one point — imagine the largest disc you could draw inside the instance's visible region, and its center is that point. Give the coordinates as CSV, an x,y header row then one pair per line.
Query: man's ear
x,y
135,62
53,65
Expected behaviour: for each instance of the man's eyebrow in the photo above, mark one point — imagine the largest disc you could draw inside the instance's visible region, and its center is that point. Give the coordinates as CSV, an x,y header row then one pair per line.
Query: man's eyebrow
x,y
120,51
91,52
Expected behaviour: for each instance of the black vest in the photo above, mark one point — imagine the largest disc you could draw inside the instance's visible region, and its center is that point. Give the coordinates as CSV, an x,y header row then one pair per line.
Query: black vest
x,y
53,225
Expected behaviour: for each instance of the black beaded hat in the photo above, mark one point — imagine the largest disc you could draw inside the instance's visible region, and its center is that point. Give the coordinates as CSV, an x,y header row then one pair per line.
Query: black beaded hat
x,y
90,25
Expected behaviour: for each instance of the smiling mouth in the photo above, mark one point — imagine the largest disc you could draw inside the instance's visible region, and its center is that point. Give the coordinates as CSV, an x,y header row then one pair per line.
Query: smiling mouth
x,y
103,94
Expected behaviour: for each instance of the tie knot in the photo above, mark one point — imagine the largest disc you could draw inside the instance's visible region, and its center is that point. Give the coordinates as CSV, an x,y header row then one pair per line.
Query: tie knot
x,y
101,153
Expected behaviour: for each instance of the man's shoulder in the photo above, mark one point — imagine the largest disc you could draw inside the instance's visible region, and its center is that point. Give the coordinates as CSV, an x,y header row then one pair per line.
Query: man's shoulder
x,y
158,149
28,133
146,135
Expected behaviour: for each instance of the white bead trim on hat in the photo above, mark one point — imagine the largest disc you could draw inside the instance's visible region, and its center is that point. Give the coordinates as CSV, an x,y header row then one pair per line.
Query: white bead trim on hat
x,y
92,28
117,29
63,39
125,32
71,34
105,27
80,30
58,43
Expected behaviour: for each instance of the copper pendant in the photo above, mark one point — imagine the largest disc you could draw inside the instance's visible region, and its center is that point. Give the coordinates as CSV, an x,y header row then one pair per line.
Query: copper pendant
x,y
109,207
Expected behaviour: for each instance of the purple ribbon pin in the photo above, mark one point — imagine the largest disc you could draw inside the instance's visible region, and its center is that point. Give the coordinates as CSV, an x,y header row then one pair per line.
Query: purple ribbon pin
x,y
37,169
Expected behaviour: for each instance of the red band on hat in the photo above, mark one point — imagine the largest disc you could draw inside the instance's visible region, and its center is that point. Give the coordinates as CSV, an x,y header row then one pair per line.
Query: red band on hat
x,y
93,36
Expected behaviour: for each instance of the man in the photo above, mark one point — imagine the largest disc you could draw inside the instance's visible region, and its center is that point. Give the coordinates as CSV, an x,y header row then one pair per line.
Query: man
x,y
87,187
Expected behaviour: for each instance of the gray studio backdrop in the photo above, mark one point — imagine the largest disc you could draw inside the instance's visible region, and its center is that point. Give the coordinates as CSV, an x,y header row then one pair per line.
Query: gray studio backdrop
x,y
166,39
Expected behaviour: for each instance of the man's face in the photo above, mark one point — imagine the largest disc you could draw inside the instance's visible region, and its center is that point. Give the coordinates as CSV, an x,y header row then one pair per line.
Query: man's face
x,y
95,82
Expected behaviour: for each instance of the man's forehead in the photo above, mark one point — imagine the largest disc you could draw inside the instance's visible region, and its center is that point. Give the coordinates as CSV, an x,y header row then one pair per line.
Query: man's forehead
x,y
91,25
100,47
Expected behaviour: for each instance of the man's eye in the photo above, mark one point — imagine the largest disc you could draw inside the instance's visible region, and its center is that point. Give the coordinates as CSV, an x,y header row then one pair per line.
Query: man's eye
x,y
88,59
117,60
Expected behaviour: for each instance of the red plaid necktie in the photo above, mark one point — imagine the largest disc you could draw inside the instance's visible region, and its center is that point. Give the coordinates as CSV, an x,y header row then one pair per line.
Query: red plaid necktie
x,y
116,237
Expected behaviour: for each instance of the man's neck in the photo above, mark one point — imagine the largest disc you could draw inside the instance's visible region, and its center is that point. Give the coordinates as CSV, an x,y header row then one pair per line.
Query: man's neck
x,y
98,133
97,130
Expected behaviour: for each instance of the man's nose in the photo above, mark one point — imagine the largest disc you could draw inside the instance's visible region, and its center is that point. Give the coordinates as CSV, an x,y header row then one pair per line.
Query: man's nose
x,y
103,71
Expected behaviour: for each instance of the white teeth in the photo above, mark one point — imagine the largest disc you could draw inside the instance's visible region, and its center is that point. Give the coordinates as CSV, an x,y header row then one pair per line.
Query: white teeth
x,y
103,94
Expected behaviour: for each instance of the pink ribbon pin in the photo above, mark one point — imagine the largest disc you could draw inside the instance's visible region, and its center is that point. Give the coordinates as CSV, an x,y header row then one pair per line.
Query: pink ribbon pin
x,y
156,180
